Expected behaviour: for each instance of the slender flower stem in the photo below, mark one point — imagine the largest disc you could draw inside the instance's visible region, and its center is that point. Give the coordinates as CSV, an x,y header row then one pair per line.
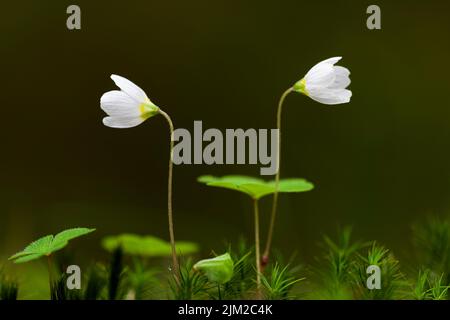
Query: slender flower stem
x,y
50,277
175,264
257,253
265,258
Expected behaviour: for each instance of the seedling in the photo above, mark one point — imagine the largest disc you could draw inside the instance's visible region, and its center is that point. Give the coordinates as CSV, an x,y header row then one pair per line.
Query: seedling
x,y
47,245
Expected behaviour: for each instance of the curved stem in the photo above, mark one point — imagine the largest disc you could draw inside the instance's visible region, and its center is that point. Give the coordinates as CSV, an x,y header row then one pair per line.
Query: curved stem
x,y
265,258
257,253
169,198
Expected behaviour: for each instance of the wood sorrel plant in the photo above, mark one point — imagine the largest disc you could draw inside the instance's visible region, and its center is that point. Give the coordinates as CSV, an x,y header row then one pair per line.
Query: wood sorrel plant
x,y
257,188
324,83
46,246
128,108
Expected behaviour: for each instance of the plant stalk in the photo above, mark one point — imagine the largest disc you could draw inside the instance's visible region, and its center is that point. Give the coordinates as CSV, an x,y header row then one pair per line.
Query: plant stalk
x,y
257,252
265,258
175,264
50,277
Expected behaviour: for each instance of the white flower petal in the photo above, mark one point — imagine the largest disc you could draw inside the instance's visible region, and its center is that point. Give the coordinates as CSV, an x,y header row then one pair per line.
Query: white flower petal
x,y
320,75
130,88
327,62
331,61
330,96
122,122
342,79
119,104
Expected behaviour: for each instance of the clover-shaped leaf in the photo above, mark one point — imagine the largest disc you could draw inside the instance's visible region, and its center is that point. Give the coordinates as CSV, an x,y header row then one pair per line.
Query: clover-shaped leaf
x,y
146,246
45,246
255,187
218,269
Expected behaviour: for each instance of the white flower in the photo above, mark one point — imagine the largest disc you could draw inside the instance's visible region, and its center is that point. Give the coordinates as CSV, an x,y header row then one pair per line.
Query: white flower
x,y
326,83
128,107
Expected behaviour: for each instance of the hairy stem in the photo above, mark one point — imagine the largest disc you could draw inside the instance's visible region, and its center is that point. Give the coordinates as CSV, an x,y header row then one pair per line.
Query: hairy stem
x,y
257,253
175,264
266,253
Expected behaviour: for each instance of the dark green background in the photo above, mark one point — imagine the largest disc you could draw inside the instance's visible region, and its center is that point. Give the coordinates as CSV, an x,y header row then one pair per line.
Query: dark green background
x,y
379,163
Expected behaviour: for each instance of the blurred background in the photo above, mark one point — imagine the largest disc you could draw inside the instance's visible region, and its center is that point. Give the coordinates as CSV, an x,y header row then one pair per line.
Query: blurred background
x,y
379,163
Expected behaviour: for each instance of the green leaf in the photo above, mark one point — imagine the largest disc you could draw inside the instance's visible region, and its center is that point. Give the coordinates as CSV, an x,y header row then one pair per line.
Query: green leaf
x,y
70,234
218,269
29,257
45,246
255,187
293,185
147,246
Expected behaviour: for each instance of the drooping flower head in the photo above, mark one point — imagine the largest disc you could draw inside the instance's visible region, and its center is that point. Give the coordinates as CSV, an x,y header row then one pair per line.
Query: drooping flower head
x,y
326,83
127,107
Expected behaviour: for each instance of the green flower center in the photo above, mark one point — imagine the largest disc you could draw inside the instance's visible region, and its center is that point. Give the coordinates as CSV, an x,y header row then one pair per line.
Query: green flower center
x,y
300,86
